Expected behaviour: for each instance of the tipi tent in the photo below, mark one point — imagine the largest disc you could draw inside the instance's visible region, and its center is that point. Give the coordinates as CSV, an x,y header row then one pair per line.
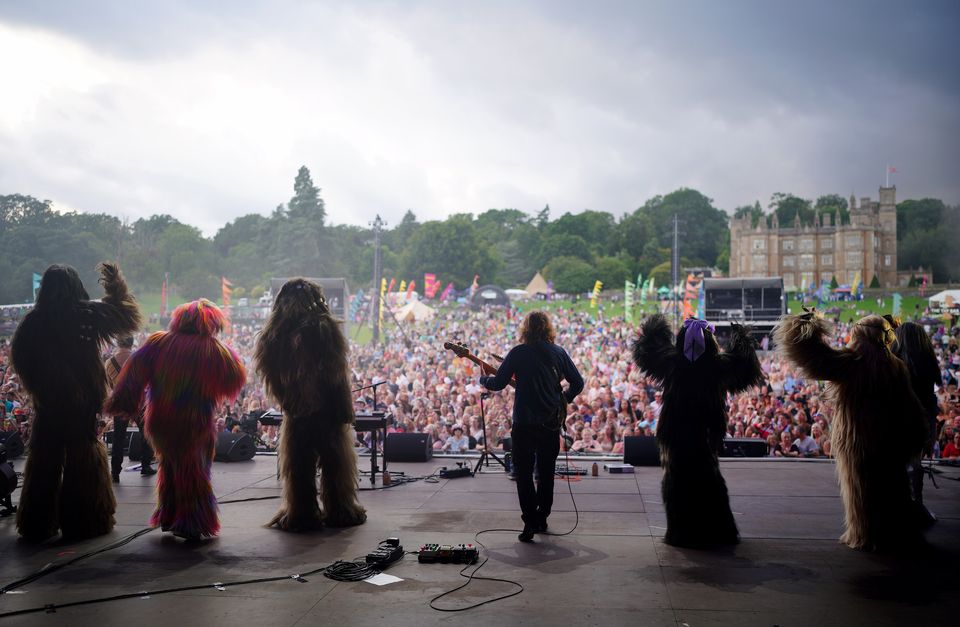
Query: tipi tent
x,y
537,285
415,311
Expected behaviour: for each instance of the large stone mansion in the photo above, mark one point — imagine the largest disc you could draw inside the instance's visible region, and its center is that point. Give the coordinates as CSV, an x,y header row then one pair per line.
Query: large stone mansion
x,y
823,250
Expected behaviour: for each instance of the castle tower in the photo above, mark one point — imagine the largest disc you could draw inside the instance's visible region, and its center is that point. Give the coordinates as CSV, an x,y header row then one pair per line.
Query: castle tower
x,y
887,234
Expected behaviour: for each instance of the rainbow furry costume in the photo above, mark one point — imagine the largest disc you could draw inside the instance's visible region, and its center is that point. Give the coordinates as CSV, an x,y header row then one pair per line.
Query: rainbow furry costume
x,y
186,372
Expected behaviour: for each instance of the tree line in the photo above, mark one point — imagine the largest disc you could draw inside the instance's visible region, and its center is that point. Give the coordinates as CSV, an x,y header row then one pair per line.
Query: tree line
x,y
502,246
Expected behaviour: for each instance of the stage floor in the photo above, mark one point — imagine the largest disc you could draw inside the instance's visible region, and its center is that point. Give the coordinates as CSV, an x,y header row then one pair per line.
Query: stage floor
x,y
614,569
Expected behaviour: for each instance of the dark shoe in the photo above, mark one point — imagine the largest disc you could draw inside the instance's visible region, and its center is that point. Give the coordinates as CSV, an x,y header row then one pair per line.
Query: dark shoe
x,y
116,478
147,471
542,526
527,534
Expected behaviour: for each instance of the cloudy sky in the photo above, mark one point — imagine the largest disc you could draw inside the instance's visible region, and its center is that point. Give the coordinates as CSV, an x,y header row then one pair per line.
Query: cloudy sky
x,y
205,110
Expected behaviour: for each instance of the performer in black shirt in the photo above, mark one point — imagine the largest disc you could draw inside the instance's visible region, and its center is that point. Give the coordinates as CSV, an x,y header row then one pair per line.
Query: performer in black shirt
x,y
538,411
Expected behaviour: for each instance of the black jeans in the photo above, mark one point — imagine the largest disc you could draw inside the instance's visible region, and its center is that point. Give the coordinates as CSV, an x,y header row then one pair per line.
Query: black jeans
x,y
535,444
120,438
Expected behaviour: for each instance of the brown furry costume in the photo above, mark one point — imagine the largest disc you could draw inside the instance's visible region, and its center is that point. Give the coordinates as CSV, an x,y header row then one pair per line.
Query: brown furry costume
x,y
56,353
878,425
302,356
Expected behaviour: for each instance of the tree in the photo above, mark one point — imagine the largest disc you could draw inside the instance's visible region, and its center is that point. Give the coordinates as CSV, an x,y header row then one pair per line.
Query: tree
x,y
833,282
875,282
570,275
788,207
450,249
755,211
918,215
836,205
597,228
698,220
613,271
563,244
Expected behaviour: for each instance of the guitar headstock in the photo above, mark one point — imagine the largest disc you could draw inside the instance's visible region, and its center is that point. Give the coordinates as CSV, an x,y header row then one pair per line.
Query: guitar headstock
x,y
459,348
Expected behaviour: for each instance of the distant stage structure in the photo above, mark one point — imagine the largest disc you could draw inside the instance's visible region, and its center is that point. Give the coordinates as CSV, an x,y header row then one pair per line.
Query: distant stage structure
x,y
758,303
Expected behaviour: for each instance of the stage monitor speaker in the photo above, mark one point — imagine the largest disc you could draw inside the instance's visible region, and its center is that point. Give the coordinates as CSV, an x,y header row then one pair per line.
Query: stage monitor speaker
x,y
408,447
641,450
234,447
744,447
12,441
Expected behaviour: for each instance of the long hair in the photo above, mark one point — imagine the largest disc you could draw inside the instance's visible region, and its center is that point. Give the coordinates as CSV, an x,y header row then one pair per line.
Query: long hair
x,y
914,348
536,327
200,317
60,286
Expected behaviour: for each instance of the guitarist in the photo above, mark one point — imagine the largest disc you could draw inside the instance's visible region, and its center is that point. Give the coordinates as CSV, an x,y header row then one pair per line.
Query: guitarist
x,y
113,366
538,413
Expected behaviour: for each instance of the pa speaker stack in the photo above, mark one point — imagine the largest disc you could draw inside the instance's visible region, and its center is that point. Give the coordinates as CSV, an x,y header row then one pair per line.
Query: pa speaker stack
x,y
408,447
234,447
641,450
12,442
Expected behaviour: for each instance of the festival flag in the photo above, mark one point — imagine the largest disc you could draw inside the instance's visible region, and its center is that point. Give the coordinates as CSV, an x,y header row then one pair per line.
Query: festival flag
x,y
639,279
628,289
803,283
393,282
549,288
643,293
653,288
403,286
855,284
355,302
446,291
383,304
475,285
689,296
430,285
410,287
596,293
923,286
36,284
897,304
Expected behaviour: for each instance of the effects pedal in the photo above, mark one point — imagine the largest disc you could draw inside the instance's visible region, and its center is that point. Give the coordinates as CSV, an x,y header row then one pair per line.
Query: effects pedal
x,y
463,471
386,553
448,554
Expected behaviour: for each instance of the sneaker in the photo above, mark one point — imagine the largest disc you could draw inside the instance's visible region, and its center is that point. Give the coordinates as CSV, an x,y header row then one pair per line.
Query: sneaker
x,y
542,526
147,471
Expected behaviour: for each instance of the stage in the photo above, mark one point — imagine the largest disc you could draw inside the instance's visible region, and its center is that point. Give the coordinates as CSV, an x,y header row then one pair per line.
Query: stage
x,y
612,570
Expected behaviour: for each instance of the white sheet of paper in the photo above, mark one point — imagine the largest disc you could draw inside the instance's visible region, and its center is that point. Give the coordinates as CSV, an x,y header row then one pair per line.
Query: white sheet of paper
x,y
382,579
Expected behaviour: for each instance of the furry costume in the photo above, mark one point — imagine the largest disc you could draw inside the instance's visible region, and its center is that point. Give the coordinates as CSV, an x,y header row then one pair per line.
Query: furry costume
x,y
878,423
695,377
56,352
187,371
302,356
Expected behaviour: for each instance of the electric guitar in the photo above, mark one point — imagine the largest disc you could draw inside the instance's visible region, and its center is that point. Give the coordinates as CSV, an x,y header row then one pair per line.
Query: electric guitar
x,y
460,350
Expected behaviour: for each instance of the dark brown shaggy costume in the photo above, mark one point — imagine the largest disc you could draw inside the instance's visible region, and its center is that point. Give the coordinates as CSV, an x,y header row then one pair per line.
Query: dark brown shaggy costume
x,y
302,356
692,425
56,352
878,424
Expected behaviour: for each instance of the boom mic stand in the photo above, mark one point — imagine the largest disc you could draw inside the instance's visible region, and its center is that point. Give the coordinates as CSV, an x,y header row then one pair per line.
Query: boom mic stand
x,y
487,453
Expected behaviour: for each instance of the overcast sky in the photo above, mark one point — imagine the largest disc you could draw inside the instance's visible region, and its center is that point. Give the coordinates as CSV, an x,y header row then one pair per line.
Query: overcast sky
x,y
205,110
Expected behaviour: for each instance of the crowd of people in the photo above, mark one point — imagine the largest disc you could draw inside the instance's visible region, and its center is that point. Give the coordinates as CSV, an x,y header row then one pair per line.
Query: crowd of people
x,y
429,389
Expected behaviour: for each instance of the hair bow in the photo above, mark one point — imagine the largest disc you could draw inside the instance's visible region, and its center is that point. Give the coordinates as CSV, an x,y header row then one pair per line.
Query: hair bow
x,y
693,341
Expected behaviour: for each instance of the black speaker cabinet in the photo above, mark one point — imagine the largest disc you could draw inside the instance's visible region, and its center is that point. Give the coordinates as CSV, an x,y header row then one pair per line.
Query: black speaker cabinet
x,y
408,447
641,450
744,447
12,442
234,447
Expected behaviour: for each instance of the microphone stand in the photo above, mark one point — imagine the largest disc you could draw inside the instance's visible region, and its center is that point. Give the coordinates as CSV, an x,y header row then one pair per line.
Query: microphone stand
x,y
487,453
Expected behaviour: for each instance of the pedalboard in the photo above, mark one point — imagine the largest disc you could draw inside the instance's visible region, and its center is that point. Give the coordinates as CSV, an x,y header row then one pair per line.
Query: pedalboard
x,y
387,552
448,554
618,469
570,471
455,473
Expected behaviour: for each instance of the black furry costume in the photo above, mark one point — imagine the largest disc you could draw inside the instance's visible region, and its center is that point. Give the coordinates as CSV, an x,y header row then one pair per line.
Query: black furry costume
x,y
878,425
56,351
692,425
302,356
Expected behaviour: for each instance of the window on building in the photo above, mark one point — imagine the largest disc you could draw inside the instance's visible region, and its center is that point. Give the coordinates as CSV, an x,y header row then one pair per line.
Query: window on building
x,y
826,260
887,260
806,262
789,262
826,243
759,243
759,263
788,281
806,244
852,242
788,244
854,260
807,278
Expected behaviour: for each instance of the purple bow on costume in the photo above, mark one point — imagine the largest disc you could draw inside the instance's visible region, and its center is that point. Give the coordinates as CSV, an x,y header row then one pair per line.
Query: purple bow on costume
x,y
693,342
